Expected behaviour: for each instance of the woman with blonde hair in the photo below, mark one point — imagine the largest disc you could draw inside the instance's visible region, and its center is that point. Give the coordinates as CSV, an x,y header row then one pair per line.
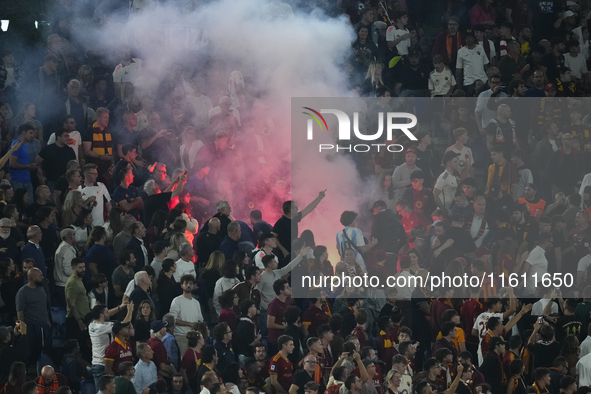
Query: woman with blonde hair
x,y
86,78
73,205
176,240
392,382
373,79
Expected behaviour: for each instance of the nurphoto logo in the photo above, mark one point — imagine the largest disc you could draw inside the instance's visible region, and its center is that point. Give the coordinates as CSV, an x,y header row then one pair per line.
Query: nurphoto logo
x,y
393,120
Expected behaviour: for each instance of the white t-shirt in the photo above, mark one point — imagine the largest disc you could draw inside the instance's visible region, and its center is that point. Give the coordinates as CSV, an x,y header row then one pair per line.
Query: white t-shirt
x,y
184,268
539,266
130,288
584,264
258,259
472,61
465,159
440,83
101,336
584,370
74,143
480,326
129,73
448,185
187,310
577,65
392,33
102,195
539,306
585,347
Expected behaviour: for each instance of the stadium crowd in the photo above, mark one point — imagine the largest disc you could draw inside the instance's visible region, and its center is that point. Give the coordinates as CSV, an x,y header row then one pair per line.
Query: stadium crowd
x,y
131,264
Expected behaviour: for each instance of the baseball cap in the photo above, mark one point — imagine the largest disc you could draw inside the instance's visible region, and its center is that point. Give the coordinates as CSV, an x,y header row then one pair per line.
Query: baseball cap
x,y
550,86
412,149
118,326
449,155
379,203
158,325
494,341
414,54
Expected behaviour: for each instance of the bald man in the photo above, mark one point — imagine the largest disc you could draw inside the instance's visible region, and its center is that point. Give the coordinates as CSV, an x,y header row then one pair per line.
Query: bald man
x,y
501,131
208,241
32,306
50,381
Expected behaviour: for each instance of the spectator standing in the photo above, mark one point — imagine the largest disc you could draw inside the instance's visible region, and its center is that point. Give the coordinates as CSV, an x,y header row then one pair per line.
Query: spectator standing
x,y
98,146
97,189
187,312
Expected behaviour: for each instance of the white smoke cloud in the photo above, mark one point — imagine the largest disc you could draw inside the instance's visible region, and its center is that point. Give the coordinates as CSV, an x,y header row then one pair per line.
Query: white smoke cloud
x,y
280,57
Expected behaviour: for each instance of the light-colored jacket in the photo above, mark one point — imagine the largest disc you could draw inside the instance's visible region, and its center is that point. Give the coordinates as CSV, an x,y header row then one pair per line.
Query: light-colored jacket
x,y
63,260
222,285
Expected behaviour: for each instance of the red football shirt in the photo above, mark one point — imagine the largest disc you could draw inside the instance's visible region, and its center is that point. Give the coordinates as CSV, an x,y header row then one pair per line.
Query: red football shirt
x,y
160,355
360,334
283,368
313,317
277,308
118,353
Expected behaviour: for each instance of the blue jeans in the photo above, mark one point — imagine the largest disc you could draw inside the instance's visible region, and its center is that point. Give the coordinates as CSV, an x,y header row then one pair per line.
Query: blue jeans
x,y
24,185
97,372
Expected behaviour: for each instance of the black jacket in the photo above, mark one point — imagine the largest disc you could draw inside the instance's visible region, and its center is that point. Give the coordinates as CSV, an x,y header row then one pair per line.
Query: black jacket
x,y
135,245
389,232
17,350
298,339
491,368
244,335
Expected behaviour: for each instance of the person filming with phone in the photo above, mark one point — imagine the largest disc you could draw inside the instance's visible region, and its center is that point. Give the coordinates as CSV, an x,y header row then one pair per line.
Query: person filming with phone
x,y
13,348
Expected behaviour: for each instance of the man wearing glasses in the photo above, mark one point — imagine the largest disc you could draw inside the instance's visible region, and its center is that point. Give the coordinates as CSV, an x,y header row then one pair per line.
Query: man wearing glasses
x,y
301,378
97,189
223,335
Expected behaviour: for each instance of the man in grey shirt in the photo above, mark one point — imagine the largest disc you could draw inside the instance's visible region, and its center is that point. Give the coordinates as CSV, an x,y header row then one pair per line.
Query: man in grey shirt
x,y
32,306
271,274
123,274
